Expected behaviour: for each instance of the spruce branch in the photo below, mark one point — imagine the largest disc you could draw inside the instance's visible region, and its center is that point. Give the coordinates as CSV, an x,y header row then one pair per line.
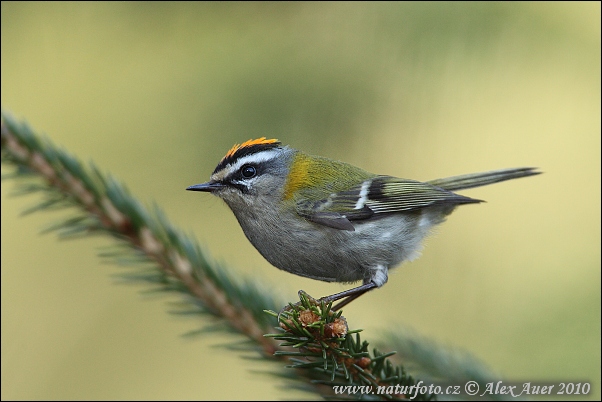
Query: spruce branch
x,y
326,350
435,361
336,357
106,206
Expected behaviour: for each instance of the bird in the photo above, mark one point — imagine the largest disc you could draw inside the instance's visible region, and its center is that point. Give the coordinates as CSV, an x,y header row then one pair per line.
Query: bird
x,y
331,221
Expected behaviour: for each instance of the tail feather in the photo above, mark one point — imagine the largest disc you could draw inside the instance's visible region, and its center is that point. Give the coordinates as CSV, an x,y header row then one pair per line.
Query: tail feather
x,y
482,179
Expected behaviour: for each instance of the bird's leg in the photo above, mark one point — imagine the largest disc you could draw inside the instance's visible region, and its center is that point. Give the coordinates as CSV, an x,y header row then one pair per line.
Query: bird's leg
x,y
352,297
378,277
348,295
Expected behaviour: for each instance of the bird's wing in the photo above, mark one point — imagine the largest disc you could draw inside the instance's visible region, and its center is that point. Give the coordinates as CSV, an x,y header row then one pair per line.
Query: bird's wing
x,y
377,195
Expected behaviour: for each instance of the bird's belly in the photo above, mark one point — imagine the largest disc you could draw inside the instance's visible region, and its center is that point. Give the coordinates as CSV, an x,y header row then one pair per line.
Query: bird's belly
x,y
323,253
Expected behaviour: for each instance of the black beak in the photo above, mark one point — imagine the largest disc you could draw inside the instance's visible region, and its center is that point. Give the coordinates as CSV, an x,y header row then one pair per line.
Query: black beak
x,y
209,187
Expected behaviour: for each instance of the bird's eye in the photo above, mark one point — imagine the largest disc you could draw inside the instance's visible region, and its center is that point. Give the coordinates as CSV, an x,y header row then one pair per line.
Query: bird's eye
x,y
248,171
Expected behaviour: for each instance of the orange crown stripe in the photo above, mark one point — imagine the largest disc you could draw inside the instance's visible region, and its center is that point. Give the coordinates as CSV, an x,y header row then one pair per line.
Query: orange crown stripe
x,y
249,143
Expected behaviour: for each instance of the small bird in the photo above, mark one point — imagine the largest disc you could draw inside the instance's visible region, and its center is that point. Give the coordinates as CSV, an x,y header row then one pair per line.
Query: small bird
x,y
329,220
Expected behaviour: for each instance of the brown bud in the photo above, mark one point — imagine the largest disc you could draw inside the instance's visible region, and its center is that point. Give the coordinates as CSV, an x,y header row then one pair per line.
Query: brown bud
x,y
307,317
336,329
363,362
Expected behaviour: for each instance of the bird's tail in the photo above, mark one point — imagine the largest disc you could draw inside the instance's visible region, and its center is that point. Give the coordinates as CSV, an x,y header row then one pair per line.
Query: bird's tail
x,y
482,179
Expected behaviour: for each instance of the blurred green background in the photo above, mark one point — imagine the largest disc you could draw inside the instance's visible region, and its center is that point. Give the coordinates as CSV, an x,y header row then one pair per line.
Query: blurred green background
x,y
156,93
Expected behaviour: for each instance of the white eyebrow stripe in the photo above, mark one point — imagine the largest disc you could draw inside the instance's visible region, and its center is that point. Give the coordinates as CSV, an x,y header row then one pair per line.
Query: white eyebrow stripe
x,y
258,157
363,195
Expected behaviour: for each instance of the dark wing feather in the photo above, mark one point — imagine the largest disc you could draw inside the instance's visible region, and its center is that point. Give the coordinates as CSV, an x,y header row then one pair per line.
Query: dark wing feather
x,y
378,195
390,194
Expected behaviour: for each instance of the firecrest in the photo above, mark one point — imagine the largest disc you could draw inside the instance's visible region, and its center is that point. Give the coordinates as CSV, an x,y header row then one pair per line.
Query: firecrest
x,y
331,221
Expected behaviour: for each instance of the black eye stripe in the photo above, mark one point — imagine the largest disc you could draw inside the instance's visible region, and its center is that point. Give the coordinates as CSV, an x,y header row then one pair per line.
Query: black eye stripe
x,y
238,179
249,171
245,173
